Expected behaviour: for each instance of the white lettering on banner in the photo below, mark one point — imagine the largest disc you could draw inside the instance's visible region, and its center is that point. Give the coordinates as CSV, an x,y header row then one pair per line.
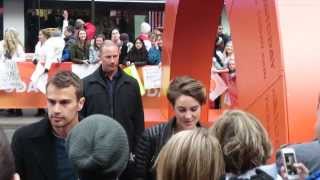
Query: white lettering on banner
x,y
151,77
9,75
29,88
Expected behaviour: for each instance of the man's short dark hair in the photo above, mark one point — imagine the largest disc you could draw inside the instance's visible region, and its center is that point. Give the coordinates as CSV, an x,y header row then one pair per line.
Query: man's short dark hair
x,y
65,79
7,166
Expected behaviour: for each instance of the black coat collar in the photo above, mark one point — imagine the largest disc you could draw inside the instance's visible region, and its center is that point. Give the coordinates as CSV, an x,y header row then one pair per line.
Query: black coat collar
x,y
42,145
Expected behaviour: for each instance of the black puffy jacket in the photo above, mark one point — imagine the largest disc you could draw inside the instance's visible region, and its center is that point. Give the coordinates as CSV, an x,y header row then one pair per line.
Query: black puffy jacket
x,y
149,146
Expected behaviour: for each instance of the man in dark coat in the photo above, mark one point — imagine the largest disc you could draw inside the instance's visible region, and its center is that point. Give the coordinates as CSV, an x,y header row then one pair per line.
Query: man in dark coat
x,y
111,92
39,148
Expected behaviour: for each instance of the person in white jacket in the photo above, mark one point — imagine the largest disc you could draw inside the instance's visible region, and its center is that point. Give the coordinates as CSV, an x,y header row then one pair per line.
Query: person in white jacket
x,y
11,49
51,50
39,53
48,51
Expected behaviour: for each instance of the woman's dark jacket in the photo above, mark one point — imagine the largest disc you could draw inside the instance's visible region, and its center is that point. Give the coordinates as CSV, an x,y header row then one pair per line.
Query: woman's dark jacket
x,y
149,146
78,54
138,56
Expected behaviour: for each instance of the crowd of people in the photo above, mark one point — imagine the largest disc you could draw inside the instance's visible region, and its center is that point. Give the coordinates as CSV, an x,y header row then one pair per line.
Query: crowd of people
x,y
223,72
79,43
104,146
94,127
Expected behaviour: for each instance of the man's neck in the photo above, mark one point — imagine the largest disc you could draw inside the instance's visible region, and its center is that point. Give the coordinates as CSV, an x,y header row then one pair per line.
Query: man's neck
x,y
62,132
110,75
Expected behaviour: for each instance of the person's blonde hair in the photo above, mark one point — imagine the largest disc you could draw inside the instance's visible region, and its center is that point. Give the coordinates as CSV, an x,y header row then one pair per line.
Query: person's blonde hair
x,y
46,32
190,155
244,141
11,41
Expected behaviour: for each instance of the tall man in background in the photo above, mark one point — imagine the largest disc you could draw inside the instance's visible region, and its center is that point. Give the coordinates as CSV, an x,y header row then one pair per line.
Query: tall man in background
x,y
111,92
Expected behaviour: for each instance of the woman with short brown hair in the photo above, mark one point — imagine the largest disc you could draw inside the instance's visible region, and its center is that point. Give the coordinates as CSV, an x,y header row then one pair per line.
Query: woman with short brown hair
x,y
244,141
186,96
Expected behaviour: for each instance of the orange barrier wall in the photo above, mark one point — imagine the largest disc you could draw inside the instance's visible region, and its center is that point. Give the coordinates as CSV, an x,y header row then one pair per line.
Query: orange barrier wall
x,y
260,73
28,97
299,30
277,64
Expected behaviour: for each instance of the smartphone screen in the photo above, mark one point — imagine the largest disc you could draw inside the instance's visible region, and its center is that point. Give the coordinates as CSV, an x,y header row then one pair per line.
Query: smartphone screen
x,y
290,160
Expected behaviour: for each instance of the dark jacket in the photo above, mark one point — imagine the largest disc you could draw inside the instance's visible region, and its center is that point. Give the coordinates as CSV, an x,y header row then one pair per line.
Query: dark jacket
x,y
138,56
66,53
149,146
127,108
78,54
33,149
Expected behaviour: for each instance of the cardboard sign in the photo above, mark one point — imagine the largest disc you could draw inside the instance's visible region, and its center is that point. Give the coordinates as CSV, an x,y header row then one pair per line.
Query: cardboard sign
x,y
9,75
151,77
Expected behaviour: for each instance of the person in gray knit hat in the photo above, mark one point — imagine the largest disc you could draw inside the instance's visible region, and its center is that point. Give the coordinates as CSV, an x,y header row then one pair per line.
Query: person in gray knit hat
x,y
98,148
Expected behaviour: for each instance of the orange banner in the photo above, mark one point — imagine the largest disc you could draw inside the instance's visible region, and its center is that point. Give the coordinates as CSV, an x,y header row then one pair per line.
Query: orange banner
x,y
28,96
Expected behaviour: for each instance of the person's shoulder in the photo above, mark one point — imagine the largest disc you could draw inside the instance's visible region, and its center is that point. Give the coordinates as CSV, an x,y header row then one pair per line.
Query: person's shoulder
x,y
306,145
92,77
156,130
32,130
128,78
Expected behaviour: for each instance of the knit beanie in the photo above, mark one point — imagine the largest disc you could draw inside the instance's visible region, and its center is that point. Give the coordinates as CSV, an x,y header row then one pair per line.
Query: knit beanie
x,y
98,145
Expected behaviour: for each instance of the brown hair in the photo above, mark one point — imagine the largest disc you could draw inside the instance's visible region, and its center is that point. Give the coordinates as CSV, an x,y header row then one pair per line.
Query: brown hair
x,y
186,85
190,155
7,166
46,32
244,141
64,79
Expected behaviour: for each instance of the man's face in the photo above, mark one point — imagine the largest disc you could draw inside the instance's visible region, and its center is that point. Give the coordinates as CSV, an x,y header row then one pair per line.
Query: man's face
x,y
109,57
63,106
99,41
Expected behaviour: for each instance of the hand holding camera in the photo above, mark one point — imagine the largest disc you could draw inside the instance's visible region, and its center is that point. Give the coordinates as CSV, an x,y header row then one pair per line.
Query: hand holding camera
x,y
291,169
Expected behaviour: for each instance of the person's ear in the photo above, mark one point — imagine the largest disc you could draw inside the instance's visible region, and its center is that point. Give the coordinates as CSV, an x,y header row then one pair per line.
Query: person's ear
x,y
81,103
16,176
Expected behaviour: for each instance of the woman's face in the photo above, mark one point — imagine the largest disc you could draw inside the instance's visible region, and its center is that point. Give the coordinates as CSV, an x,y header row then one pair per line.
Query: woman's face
x,y
99,42
82,35
187,110
41,37
232,65
115,35
229,48
138,44
159,42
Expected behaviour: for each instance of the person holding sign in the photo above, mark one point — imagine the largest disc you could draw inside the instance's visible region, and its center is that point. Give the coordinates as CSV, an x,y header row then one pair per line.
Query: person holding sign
x,y
11,51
